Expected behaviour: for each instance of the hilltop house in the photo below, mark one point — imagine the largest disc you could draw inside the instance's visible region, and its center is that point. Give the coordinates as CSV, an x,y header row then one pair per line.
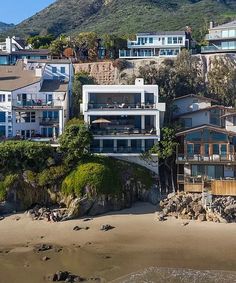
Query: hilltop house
x,y
221,38
14,48
159,44
34,98
125,119
205,157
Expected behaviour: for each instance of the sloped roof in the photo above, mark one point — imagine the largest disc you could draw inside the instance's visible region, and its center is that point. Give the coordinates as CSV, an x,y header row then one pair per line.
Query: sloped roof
x,y
195,96
162,33
15,77
205,126
54,86
226,25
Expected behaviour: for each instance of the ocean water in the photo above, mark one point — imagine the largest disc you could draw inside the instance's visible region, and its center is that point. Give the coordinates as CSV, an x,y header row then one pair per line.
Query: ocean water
x,y
177,275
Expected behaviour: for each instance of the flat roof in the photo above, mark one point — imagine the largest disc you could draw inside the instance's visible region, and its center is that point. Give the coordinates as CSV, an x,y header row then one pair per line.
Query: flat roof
x,y
32,51
50,61
15,77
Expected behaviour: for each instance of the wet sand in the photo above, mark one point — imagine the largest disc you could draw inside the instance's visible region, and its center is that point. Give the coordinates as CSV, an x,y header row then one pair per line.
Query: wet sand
x,y
137,241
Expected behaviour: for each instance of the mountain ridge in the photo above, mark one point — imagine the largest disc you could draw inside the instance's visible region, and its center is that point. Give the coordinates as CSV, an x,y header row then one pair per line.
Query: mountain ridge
x,y
125,16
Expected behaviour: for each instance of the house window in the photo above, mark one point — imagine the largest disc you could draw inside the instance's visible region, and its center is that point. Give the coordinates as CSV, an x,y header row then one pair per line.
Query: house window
x,y
25,117
2,117
175,40
216,149
54,70
215,117
180,40
225,33
186,122
2,97
231,33
9,97
169,40
197,148
150,39
63,70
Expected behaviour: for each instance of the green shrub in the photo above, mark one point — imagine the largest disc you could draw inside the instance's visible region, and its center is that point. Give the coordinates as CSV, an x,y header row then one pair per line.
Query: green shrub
x,y
96,176
51,176
3,191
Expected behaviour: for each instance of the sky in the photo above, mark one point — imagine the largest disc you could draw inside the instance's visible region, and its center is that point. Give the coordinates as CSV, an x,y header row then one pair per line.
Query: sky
x,y
15,11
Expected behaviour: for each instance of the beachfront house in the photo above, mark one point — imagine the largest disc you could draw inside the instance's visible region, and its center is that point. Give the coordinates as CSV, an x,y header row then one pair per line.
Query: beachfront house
x,y
221,38
35,98
158,44
125,119
15,48
205,155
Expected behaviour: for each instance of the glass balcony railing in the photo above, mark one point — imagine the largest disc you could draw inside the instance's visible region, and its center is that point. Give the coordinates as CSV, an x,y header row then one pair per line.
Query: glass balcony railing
x,y
123,131
206,158
37,103
121,106
136,54
48,121
117,150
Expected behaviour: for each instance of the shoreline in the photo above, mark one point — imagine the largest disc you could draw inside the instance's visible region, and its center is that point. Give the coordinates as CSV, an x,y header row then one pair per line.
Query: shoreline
x,y
138,241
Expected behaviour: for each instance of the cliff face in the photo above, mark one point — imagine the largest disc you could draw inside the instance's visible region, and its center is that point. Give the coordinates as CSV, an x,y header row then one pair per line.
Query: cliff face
x,y
105,73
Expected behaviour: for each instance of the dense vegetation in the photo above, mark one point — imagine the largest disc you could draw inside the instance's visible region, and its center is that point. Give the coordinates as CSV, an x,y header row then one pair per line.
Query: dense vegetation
x,y
126,16
4,27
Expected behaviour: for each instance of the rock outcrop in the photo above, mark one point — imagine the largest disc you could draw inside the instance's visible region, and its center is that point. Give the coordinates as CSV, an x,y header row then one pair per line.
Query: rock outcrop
x,y
190,207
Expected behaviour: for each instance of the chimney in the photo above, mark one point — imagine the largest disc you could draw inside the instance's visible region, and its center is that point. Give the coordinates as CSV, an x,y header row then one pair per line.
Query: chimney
x,y
211,24
9,44
139,81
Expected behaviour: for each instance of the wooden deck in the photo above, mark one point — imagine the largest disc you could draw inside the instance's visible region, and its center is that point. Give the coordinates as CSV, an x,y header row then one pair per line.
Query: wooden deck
x,y
193,188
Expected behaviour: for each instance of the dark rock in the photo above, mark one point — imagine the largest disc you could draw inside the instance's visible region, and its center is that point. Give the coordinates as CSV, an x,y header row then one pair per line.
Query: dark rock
x,y
1,218
87,219
45,258
76,228
106,227
42,247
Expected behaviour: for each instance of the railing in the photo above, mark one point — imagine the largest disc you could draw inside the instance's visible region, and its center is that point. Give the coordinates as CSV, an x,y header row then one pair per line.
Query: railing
x,y
124,131
48,121
136,54
116,150
214,48
120,106
206,158
214,36
35,103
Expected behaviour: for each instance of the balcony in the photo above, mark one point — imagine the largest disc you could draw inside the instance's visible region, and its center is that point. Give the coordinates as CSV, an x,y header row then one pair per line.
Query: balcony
x,y
121,106
214,158
48,121
136,54
217,49
117,150
125,131
36,104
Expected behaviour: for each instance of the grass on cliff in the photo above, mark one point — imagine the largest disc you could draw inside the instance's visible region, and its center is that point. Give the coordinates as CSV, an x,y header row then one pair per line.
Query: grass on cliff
x,y
103,176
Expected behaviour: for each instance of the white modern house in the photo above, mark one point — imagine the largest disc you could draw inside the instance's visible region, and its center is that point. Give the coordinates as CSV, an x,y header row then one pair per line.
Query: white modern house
x,y
125,119
35,98
159,44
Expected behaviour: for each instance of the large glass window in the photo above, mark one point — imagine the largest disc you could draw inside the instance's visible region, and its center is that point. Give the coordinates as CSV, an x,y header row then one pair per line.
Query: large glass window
x,y
150,39
225,33
215,117
175,40
2,117
63,70
197,148
25,117
216,149
194,136
231,33
190,149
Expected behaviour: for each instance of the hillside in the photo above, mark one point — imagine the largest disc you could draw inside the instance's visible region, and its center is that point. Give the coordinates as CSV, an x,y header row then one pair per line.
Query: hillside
x,y
4,27
126,16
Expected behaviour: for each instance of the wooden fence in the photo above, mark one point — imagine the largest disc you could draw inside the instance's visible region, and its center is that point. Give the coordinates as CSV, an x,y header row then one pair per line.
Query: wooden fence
x,y
223,187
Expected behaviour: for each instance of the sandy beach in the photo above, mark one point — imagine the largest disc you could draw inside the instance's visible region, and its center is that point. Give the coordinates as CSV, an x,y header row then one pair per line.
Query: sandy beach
x,y
137,241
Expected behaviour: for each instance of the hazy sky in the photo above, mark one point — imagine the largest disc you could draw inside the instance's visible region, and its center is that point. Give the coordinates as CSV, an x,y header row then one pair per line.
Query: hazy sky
x,y
15,11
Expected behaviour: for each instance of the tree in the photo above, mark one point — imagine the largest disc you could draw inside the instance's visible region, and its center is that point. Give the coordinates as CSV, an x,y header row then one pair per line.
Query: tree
x,y
86,46
75,143
58,46
80,79
38,41
222,81
165,150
